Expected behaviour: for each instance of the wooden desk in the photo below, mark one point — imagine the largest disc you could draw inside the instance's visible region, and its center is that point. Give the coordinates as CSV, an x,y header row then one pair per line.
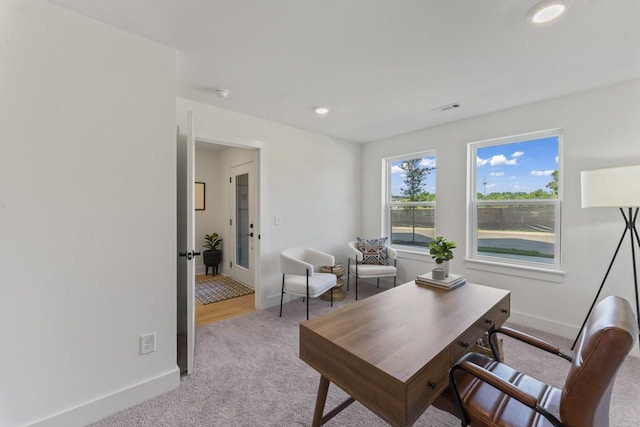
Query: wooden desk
x,y
392,351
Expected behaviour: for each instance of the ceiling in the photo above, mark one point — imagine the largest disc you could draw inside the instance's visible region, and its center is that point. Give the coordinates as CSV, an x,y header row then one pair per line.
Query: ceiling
x,y
383,67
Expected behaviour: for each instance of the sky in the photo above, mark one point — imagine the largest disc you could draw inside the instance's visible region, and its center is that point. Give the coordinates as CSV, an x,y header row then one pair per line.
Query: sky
x,y
520,166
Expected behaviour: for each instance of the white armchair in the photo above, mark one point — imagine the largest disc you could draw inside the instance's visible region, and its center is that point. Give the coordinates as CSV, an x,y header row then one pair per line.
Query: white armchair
x,y
299,276
367,271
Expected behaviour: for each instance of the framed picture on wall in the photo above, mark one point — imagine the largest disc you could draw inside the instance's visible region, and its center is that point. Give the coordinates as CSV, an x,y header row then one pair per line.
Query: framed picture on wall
x,y
199,190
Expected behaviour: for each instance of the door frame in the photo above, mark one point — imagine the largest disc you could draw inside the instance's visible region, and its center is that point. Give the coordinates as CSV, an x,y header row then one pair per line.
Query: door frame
x,y
260,188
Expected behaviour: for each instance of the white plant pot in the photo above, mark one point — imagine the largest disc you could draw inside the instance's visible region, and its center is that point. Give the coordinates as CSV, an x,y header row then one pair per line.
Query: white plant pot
x,y
446,267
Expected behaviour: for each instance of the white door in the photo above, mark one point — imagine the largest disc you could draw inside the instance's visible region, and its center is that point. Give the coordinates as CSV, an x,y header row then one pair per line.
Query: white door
x,y
185,252
243,225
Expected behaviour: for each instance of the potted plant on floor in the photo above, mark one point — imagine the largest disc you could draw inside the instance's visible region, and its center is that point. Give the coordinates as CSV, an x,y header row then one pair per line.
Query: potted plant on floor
x,y
441,250
213,252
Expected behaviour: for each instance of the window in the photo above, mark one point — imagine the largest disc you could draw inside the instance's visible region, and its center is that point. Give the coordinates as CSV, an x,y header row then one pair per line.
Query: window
x,y
515,200
411,199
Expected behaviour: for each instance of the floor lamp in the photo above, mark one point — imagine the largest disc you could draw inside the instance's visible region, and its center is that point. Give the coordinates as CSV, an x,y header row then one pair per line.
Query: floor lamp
x,y
614,188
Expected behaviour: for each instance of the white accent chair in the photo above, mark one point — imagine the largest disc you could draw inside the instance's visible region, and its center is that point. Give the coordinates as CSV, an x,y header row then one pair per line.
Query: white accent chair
x,y
300,277
368,271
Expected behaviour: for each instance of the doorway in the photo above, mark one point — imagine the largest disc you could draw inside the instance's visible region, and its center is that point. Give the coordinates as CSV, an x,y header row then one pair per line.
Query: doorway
x,y
254,149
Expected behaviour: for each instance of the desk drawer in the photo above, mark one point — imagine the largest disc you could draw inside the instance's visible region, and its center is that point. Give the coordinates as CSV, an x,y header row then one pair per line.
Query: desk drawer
x,y
494,318
426,386
466,341
500,313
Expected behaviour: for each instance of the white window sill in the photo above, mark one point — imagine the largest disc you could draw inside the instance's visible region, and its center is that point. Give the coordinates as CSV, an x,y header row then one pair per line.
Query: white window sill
x,y
412,254
529,272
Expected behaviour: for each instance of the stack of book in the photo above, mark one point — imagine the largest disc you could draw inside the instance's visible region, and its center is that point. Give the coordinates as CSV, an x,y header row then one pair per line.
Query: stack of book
x,y
450,282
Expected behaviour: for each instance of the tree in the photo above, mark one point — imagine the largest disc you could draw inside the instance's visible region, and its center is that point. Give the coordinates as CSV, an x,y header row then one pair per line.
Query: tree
x,y
553,184
414,179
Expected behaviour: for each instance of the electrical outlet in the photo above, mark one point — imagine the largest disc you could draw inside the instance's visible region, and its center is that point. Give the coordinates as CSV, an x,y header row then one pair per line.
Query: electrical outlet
x,y
147,343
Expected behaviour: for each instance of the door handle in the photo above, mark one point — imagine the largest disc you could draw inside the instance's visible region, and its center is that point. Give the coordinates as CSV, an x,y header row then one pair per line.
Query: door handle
x,y
189,255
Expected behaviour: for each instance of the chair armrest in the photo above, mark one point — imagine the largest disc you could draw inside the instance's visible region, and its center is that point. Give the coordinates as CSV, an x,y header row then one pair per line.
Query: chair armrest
x,y
391,253
502,385
290,265
531,340
353,252
315,257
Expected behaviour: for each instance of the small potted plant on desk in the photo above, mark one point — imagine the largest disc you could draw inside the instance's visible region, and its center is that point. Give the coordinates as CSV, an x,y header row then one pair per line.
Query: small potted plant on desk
x,y
213,254
441,251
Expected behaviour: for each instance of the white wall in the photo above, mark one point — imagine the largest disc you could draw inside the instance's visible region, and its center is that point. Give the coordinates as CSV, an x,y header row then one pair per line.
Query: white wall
x,y
87,216
601,129
312,182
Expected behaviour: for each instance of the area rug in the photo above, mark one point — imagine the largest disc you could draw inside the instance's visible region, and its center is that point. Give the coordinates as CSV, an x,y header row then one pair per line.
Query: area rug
x,y
219,288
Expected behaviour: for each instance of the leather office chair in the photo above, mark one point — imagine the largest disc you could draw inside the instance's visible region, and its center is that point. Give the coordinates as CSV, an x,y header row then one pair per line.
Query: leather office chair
x,y
361,270
484,392
299,276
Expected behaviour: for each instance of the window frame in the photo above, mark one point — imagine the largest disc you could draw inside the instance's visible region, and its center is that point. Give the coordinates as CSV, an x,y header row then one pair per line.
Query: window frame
x,y
388,203
474,203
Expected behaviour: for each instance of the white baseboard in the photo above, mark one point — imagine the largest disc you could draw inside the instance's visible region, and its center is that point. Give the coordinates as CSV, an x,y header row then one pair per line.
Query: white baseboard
x,y
555,328
545,325
92,411
203,270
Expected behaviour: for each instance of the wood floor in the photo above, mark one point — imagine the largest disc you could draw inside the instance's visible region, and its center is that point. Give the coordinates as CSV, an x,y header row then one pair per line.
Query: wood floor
x,y
210,313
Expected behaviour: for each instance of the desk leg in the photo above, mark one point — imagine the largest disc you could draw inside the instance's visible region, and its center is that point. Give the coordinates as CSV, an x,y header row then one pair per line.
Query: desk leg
x,y
323,388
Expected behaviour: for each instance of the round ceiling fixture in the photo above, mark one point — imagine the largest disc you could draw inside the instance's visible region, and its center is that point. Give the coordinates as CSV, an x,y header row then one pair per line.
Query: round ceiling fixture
x,y
546,11
221,93
322,110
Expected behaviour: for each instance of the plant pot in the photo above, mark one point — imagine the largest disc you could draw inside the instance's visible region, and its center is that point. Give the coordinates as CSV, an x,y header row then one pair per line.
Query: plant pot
x,y
211,259
445,266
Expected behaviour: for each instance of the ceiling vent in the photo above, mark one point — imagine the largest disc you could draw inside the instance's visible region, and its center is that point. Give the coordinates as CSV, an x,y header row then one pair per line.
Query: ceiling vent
x,y
220,93
447,107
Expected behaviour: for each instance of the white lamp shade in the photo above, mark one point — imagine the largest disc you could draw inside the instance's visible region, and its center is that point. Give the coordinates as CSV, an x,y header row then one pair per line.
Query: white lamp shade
x,y
611,188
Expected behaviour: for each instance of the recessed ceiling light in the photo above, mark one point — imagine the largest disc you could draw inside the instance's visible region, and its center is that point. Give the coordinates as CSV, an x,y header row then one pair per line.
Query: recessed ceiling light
x,y
322,110
546,11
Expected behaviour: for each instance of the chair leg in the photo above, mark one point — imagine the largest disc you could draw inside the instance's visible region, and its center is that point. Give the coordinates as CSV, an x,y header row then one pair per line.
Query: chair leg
x,y
348,272
378,283
307,294
356,280
281,295
331,297
395,264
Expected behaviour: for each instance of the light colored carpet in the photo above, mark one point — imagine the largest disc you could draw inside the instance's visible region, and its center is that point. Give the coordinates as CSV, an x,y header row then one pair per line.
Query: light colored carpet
x,y
210,289
248,373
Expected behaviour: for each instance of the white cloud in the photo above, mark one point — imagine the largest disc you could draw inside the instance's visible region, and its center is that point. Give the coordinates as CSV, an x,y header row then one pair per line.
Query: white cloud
x,y
496,174
428,163
481,162
556,159
498,160
396,169
542,173
488,186
518,154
